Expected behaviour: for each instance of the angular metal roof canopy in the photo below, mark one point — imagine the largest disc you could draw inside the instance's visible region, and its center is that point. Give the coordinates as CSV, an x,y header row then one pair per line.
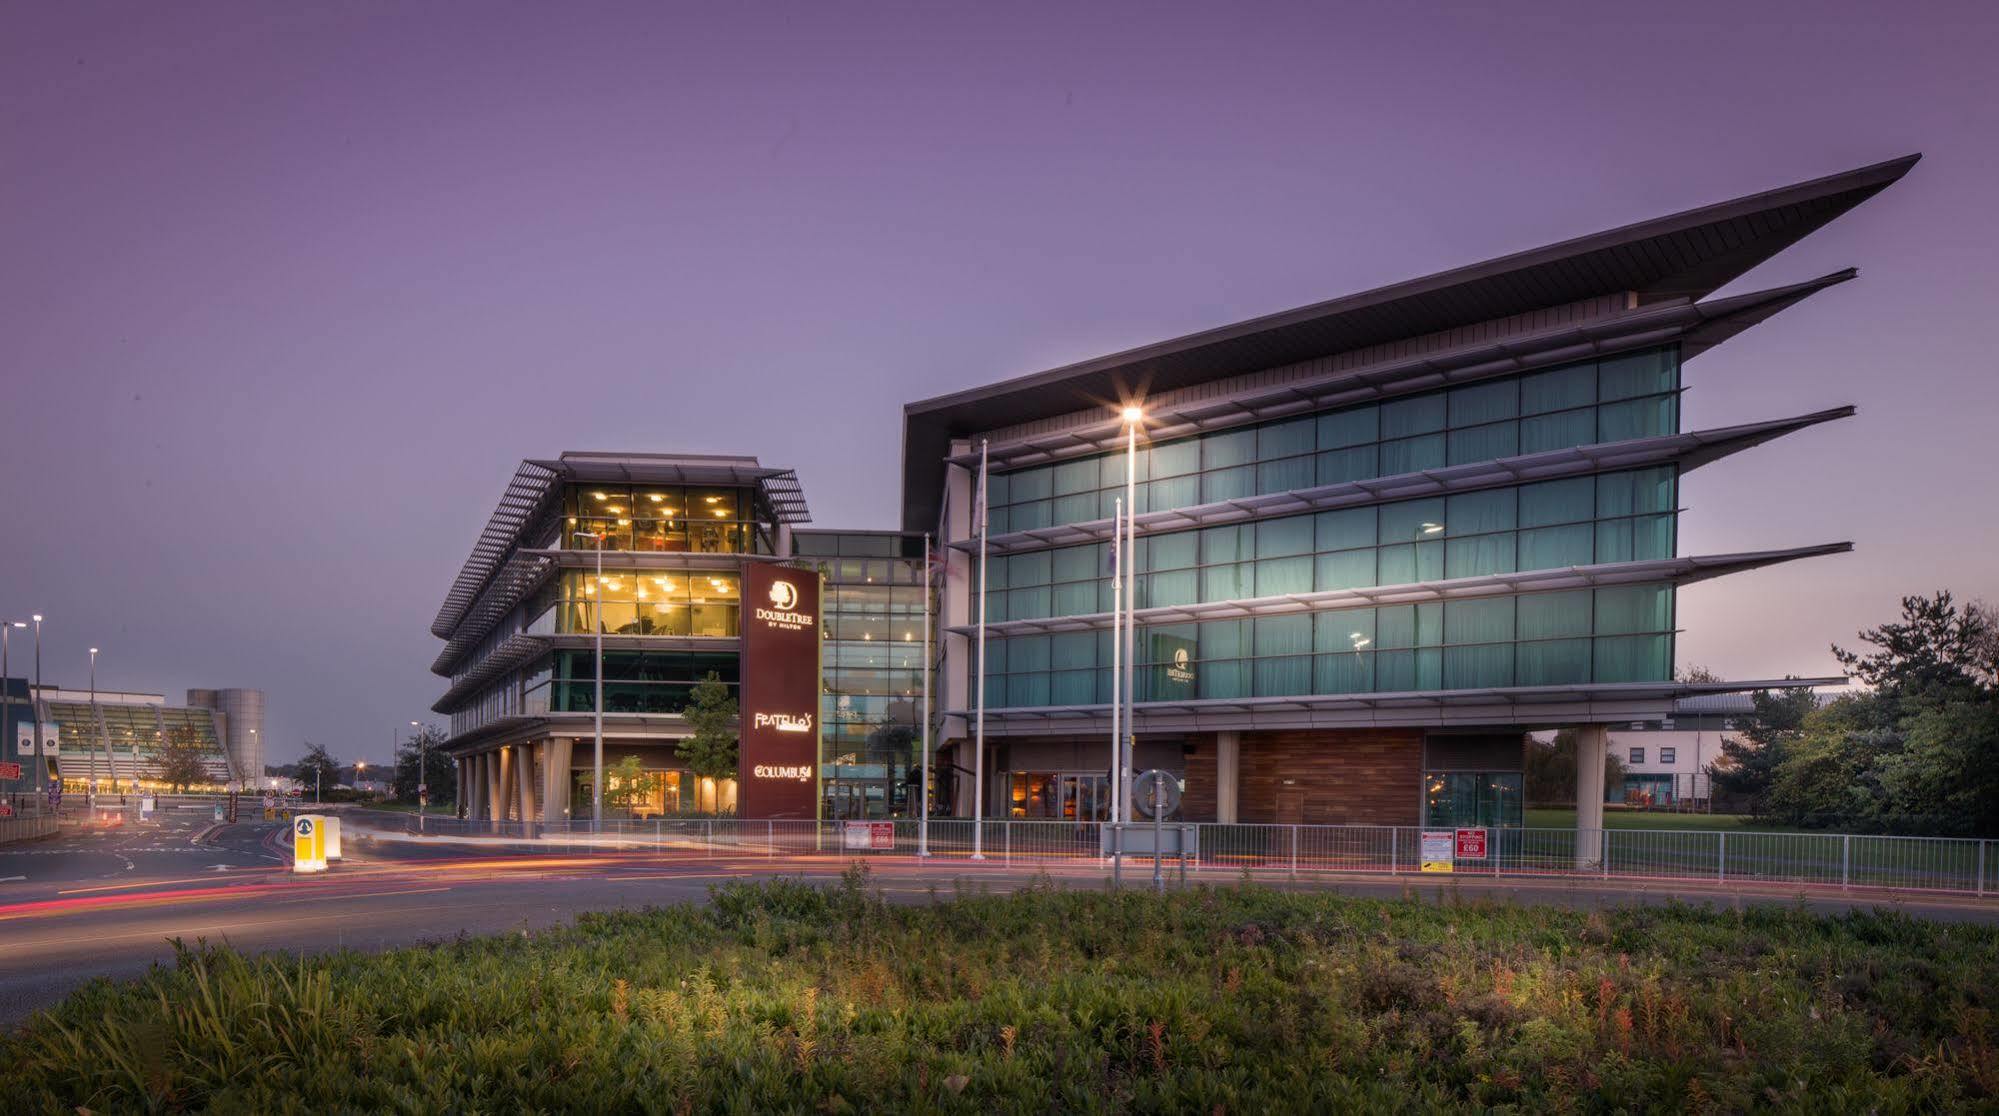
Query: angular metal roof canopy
x,y
1685,255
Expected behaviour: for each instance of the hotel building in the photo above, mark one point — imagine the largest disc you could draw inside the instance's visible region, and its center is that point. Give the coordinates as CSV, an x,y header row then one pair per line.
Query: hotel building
x,y
1379,539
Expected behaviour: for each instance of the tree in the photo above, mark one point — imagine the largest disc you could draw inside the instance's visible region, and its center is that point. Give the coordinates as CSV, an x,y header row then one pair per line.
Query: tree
x,y
626,784
1936,645
180,758
318,769
711,711
1695,672
1550,774
1749,762
422,760
1986,645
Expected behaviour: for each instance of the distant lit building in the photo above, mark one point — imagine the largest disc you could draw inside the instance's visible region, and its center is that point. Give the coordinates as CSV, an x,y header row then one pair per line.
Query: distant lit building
x,y
111,741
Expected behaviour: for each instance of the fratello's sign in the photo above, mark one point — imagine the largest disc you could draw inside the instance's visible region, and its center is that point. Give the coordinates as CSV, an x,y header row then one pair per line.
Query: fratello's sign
x,y
779,756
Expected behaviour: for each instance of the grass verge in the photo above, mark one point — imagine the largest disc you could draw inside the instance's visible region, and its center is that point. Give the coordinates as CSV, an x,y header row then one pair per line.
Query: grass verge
x,y
782,997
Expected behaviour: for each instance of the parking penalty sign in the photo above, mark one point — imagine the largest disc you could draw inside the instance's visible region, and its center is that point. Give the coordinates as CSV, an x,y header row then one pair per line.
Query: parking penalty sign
x,y
1438,850
1471,843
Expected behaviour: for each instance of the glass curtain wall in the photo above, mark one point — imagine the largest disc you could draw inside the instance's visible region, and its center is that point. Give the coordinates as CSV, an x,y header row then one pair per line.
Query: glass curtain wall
x,y
1632,395
1613,634
872,665
634,681
1615,517
704,603
666,519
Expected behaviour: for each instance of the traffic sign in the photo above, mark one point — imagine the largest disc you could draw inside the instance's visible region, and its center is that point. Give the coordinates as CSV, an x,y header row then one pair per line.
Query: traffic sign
x,y
1155,793
10,770
1471,844
308,843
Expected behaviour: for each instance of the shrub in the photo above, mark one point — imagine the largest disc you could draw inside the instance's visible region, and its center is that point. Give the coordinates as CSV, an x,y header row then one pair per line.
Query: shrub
x,y
786,997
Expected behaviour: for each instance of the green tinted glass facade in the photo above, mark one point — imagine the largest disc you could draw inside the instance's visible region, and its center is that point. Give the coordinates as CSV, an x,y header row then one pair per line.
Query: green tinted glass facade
x,y
871,668
1631,395
1616,517
1615,634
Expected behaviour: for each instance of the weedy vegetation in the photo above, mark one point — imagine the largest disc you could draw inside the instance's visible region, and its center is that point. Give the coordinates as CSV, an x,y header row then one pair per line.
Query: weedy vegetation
x,y
784,997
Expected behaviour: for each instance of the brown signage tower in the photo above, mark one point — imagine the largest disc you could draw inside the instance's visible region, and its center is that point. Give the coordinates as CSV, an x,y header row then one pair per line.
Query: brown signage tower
x,y
777,766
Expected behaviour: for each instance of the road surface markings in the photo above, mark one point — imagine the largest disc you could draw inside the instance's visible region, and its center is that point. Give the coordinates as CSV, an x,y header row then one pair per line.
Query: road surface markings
x,y
362,895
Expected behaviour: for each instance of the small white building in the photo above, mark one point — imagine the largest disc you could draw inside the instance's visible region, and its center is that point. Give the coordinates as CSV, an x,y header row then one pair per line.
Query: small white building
x,y
1666,761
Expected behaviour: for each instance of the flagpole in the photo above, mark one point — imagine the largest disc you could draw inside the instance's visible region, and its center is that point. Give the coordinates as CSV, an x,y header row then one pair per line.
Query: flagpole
x,y
923,791
1117,645
979,723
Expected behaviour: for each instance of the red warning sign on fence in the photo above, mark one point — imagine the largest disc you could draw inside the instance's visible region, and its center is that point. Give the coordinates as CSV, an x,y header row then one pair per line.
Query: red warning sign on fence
x,y
1471,844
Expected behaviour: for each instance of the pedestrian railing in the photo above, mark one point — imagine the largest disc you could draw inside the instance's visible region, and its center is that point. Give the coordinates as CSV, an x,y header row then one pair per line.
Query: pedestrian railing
x,y
24,827
1930,864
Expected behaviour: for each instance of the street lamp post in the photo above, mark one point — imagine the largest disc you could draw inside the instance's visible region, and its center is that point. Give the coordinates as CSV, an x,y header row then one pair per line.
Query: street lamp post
x,y
33,709
597,761
94,720
422,772
1134,417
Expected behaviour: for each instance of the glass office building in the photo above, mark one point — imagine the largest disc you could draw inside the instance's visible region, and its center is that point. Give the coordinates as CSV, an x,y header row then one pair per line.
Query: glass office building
x,y
639,558
1378,540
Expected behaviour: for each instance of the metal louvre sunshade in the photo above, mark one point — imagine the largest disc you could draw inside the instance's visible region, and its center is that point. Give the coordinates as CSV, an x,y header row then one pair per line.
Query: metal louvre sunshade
x,y
1692,450
1697,325
512,652
533,483
1680,571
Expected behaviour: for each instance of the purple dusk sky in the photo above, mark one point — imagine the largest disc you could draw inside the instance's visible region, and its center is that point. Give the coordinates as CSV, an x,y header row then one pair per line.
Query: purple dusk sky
x,y
288,290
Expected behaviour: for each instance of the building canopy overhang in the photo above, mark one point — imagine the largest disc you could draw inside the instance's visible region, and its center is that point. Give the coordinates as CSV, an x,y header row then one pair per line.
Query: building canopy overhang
x,y
1679,571
1689,451
536,487
1522,707
1684,256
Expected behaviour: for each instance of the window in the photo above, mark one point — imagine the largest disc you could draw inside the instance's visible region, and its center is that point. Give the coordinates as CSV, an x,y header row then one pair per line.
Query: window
x,y
1625,396
1637,755
1668,755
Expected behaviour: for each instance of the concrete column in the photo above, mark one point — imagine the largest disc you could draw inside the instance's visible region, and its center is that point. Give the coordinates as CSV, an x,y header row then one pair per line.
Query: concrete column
x,y
509,790
458,804
491,803
556,758
524,779
1592,750
1228,768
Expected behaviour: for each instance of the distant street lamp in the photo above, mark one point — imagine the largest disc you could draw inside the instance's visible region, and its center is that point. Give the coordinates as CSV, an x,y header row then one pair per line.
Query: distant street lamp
x,y
422,772
94,719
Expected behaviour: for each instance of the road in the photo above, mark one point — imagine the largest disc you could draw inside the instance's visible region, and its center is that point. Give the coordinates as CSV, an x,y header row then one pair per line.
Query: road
x,y
109,902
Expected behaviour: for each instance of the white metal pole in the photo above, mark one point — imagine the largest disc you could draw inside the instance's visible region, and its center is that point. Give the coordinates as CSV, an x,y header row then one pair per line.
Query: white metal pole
x,y
597,762
923,789
34,710
1117,671
979,723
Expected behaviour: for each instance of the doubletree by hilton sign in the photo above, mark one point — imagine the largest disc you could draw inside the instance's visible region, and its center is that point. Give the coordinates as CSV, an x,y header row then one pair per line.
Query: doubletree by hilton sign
x,y
778,760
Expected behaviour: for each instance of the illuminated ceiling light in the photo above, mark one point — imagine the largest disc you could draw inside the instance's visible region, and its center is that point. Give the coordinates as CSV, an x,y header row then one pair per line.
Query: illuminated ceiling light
x,y
1432,528
714,499
600,496
722,513
656,498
